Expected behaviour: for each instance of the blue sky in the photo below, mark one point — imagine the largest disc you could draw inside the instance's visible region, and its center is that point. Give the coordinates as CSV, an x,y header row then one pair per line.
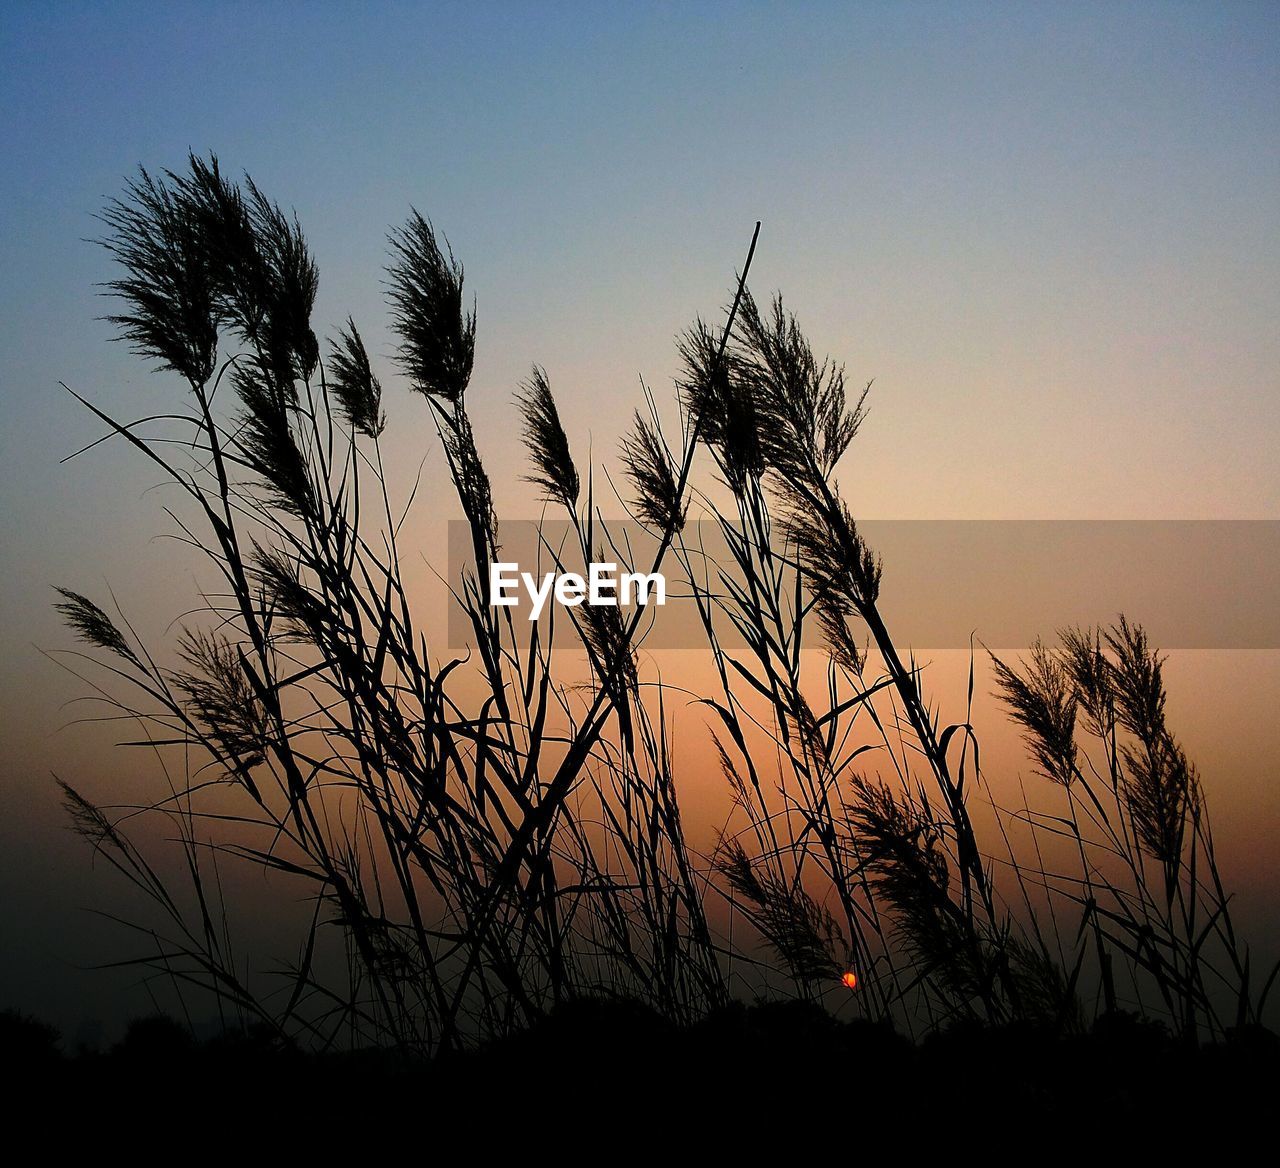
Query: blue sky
x,y
1059,218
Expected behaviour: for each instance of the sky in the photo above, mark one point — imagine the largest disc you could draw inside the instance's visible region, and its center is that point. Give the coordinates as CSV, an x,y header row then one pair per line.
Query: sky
x,y
1048,232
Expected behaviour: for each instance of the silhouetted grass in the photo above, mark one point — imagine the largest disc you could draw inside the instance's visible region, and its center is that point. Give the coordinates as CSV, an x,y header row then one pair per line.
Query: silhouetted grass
x,y
495,866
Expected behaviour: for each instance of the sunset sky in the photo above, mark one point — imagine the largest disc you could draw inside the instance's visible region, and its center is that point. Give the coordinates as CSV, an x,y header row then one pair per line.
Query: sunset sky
x,y
1048,232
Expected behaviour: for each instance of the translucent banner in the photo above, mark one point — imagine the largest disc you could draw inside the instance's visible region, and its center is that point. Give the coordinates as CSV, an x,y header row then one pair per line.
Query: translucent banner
x,y
1194,584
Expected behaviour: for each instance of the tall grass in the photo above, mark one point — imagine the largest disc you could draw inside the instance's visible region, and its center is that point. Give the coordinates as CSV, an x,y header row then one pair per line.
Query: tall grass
x,y
484,860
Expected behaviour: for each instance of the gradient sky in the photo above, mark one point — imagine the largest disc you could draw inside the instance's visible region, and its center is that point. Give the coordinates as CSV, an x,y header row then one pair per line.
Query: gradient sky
x,y
1049,232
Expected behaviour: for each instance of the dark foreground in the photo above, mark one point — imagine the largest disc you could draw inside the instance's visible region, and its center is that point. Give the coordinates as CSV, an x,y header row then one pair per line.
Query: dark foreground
x,y
781,1068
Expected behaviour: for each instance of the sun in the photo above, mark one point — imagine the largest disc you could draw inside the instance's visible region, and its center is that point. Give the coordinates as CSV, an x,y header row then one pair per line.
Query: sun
x,y
850,979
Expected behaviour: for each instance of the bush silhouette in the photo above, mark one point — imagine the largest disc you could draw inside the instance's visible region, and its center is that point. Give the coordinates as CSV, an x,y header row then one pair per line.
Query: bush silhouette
x,y
27,1043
